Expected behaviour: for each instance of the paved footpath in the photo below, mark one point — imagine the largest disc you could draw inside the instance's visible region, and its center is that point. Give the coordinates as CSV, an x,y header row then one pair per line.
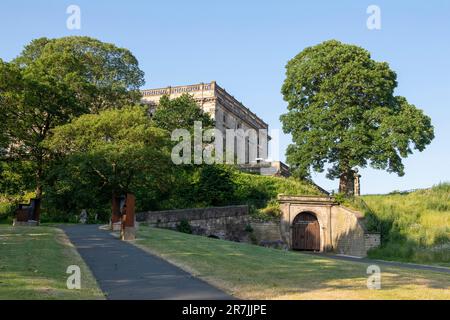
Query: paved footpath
x,y
125,271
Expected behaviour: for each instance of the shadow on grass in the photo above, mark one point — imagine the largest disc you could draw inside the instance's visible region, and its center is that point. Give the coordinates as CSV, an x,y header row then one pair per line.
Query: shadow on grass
x,y
257,272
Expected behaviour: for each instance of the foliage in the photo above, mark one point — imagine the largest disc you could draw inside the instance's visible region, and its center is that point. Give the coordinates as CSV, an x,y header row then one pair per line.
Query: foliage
x,y
9,203
15,177
272,210
116,151
415,226
248,228
54,81
213,186
184,227
258,190
6,212
100,75
342,111
222,185
180,113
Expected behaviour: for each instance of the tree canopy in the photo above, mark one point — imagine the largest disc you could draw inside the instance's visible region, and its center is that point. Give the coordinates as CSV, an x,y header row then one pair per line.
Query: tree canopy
x,y
115,151
101,75
180,113
53,81
342,111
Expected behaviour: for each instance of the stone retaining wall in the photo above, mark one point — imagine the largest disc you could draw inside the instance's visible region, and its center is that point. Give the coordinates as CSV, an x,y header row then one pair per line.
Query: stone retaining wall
x,y
372,240
342,230
266,231
228,223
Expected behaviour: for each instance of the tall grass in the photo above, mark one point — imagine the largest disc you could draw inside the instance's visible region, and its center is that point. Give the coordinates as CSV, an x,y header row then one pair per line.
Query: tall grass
x,y
415,226
251,186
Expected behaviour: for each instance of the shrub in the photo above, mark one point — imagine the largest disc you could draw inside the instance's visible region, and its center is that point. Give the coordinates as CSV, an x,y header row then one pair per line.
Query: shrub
x,y
184,227
248,228
6,212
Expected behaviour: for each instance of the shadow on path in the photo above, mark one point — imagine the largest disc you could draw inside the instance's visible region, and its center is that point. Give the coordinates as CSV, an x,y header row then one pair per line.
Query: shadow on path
x,y
124,271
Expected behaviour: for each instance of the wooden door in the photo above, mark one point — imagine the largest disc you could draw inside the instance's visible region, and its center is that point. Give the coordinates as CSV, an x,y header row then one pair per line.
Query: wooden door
x,y
306,232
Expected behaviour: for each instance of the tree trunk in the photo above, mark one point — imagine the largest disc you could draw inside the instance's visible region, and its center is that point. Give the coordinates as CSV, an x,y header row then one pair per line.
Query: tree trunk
x,y
347,183
38,191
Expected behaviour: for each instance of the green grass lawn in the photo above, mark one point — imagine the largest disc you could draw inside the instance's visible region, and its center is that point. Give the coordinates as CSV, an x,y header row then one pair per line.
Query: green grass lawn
x,y
252,272
415,226
33,264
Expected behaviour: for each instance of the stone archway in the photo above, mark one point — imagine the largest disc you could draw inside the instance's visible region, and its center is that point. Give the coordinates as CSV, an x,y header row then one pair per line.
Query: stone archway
x,y
320,207
339,229
306,232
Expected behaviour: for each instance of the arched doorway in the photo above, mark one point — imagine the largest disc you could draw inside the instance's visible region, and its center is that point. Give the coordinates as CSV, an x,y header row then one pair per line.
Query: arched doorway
x,y
306,232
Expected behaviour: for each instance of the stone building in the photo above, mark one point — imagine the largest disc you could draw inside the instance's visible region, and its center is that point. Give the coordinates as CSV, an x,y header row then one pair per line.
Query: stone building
x,y
227,112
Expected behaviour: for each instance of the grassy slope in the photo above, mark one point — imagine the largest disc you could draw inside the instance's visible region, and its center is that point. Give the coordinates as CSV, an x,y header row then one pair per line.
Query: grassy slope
x,y
33,264
415,226
252,272
250,185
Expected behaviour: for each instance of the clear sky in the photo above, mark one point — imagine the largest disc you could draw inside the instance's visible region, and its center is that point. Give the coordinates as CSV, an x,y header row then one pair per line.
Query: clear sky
x,y
244,46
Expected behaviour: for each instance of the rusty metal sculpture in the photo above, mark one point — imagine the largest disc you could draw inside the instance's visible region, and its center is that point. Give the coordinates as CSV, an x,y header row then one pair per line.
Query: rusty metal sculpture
x,y
28,214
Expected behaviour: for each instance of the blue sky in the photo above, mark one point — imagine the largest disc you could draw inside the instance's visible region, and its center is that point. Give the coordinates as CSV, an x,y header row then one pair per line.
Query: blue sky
x,y
244,46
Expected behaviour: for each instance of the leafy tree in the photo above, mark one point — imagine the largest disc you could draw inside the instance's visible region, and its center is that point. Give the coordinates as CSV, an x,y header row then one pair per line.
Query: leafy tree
x,y
53,81
30,108
342,111
213,185
12,183
116,151
180,113
101,75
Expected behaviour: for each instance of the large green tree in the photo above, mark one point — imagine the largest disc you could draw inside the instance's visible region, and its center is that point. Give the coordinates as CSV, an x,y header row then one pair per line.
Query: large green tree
x,y
115,151
343,113
51,82
101,75
180,113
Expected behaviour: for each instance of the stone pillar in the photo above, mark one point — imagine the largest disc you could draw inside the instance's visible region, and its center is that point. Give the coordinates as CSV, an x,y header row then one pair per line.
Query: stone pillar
x,y
357,185
285,224
347,182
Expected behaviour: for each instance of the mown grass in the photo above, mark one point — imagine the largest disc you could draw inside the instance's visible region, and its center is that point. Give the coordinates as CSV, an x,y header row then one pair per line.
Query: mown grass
x,y
415,226
252,272
33,264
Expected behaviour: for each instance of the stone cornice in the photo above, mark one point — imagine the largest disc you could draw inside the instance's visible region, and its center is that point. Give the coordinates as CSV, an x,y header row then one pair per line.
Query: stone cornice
x,y
315,200
226,100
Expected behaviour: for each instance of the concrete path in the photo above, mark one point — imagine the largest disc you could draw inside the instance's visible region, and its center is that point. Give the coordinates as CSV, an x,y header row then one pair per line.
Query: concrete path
x,y
124,271
383,262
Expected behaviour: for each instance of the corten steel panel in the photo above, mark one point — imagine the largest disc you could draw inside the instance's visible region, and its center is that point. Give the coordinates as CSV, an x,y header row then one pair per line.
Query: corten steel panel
x,y
22,215
36,204
130,210
115,209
